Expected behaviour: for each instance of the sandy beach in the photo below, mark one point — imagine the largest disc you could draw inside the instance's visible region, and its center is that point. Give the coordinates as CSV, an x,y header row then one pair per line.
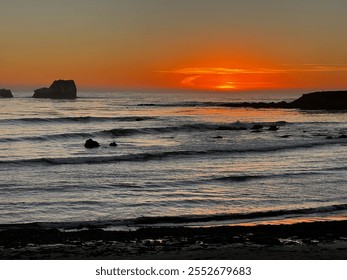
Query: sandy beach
x,y
317,240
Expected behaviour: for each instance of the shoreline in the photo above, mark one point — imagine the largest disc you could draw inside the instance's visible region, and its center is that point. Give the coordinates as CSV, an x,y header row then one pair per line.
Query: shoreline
x,y
309,240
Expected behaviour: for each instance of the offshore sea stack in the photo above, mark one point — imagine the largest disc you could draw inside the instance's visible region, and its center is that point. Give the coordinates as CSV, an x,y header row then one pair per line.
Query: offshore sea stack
x,y
324,100
5,93
60,89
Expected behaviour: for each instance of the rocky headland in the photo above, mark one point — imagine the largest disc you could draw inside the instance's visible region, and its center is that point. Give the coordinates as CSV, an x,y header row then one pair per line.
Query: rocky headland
x,y
323,100
5,93
60,89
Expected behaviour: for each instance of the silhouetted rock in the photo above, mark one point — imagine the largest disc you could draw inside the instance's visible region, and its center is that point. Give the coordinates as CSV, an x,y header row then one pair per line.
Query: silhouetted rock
x,y
273,128
5,93
329,137
324,100
343,136
257,127
90,143
60,89
113,144
218,137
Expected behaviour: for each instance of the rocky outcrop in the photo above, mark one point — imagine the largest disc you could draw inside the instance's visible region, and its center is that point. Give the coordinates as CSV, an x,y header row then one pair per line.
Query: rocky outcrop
x,y
60,89
257,127
273,128
324,100
113,144
5,93
90,143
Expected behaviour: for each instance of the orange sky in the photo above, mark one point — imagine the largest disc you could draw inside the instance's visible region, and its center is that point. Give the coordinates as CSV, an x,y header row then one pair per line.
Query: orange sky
x,y
192,44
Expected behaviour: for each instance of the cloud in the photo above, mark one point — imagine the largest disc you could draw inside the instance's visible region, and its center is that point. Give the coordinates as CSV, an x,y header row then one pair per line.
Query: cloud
x,y
231,71
189,81
206,71
324,68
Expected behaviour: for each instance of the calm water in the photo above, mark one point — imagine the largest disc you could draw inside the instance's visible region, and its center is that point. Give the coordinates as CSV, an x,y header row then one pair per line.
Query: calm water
x,y
181,158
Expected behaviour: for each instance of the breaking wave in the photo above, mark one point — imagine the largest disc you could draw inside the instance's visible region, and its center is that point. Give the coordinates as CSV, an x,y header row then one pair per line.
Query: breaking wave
x,y
186,220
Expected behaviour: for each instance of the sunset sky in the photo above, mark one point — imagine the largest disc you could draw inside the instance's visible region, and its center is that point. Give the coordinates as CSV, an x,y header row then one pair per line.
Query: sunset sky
x,y
188,44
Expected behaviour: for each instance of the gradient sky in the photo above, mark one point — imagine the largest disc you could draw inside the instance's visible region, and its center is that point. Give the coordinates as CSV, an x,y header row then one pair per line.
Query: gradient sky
x,y
191,44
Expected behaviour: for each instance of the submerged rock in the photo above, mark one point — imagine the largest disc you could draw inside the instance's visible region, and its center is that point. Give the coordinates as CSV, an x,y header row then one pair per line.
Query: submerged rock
x,y
5,93
257,127
273,128
90,143
60,89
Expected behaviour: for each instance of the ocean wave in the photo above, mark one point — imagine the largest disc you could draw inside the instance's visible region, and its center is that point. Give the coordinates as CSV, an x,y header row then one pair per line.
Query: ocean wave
x,y
162,155
122,132
83,119
238,216
185,220
243,178
194,127
49,137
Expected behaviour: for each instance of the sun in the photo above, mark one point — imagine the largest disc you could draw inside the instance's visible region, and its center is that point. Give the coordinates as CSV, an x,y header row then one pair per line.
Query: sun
x,y
227,85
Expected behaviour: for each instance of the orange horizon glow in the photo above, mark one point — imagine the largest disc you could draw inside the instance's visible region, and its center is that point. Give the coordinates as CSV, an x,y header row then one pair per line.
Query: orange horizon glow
x,y
194,78
222,78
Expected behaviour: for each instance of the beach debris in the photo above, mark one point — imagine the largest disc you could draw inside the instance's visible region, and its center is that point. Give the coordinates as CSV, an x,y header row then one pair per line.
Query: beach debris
x,y
59,89
90,143
5,93
113,144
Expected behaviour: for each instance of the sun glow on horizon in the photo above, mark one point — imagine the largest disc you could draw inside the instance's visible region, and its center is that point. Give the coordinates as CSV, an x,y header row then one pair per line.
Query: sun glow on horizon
x,y
227,85
242,78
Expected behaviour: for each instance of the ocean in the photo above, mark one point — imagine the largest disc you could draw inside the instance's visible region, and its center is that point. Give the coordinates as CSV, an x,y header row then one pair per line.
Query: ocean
x,y
181,159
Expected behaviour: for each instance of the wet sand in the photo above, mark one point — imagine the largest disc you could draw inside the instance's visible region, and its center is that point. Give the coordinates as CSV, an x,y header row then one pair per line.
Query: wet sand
x,y
316,240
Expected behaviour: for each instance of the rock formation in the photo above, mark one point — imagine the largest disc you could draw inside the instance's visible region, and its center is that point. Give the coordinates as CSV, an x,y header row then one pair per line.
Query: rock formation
x,y
60,89
273,128
5,93
324,100
90,143
257,127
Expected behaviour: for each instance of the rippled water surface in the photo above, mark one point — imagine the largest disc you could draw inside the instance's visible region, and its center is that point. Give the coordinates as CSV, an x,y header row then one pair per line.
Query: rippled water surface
x,y
181,158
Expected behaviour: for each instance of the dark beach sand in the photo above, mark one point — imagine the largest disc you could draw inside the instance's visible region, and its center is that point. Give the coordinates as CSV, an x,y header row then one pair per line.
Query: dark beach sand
x,y
316,240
